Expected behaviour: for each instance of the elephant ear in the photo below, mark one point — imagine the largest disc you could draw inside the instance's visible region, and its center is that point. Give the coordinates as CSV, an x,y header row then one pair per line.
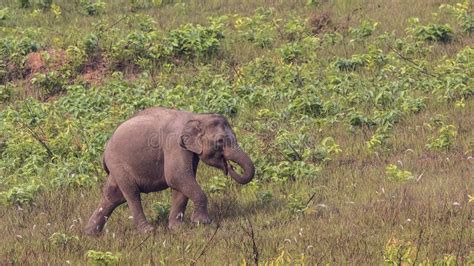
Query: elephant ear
x,y
190,138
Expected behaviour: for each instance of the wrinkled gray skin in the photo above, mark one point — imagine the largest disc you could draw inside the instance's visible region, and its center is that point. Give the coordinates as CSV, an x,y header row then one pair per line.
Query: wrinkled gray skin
x,y
160,148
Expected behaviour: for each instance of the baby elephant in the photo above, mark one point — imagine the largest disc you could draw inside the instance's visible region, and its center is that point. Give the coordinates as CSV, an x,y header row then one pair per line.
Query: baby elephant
x,y
160,148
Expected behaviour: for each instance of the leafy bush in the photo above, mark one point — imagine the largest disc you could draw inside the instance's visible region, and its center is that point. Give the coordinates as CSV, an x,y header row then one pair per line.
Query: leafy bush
x,y
22,195
103,258
5,93
431,32
364,30
259,29
445,140
462,14
45,4
195,40
24,3
217,184
50,83
62,239
92,8
162,210
395,174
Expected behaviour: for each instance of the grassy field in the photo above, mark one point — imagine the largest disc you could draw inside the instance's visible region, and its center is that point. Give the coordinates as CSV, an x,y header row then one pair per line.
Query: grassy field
x,y
357,114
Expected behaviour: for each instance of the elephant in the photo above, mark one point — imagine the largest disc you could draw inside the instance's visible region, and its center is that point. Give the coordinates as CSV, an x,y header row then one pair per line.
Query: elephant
x,y
160,148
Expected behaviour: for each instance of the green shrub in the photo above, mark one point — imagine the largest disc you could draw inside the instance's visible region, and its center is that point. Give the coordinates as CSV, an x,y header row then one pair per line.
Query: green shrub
x,y
395,174
24,3
62,239
92,8
162,210
430,32
445,139
22,195
103,258
463,15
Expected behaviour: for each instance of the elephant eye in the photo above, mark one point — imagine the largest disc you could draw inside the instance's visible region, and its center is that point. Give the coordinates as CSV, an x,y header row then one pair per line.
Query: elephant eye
x,y
220,143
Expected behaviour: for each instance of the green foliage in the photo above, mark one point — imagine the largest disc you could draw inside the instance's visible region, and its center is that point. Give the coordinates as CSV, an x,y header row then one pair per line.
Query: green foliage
x,y
4,13
92,8
195,40
430,32
363,31
445,139
162,210
462,13
351,64
295,29
45,4
217,184
297,204
6,92
62,239
21,195
50,83
24,3
103,258
259,29
398,252
395,174
91,44
265,196
14,46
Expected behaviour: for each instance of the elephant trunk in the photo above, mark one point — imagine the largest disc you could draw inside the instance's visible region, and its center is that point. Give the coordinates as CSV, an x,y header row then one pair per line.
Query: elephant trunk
x,y
242,159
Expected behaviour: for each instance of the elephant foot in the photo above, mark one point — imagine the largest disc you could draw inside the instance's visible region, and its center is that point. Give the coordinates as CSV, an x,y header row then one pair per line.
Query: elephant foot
x,y
93,228
145,228
175,221
200,218
92,231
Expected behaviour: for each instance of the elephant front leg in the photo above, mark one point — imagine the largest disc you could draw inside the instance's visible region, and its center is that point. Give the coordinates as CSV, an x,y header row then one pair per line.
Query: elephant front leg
x,y
178,207
192,190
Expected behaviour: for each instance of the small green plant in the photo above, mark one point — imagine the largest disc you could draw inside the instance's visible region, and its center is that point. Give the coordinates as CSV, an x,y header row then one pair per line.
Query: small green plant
x,y
45,4
324,152
162,210
50,83
259,29
62,239
24,3
399,252
4,13
395,174
297,204
431,32
351,64
462,13
103,258
22,195
294,29
6,93
444,140
363,31
265,196
217,184
91,45
92,8
290,52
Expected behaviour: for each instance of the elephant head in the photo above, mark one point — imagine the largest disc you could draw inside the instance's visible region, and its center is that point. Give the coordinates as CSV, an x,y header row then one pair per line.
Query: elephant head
x,y
212,139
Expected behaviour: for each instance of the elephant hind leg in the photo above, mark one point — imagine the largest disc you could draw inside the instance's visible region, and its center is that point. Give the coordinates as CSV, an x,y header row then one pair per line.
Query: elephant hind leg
x,y
112,197
131,192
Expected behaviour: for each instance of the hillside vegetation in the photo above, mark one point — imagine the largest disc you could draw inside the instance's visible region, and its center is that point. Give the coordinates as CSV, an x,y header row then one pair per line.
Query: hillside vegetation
x,y
357,114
